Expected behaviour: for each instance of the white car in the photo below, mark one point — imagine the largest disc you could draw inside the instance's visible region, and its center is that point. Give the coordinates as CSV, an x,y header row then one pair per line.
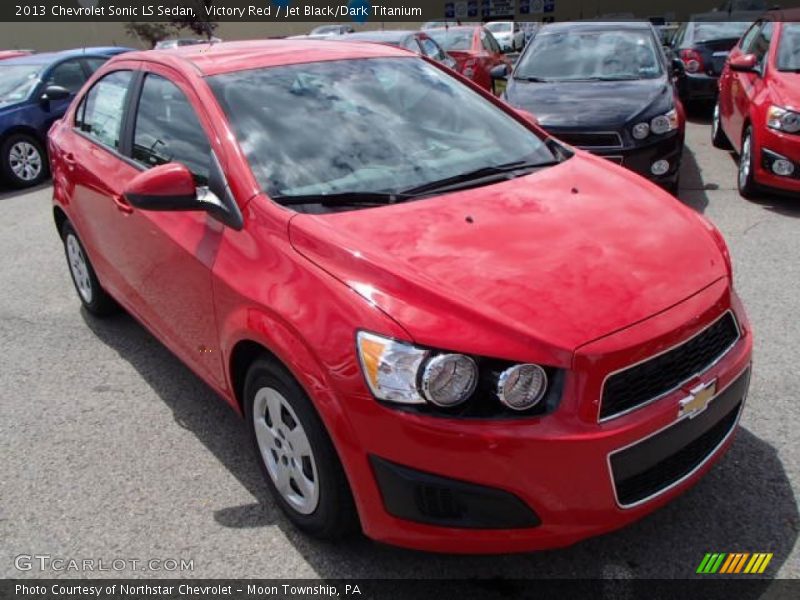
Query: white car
x,y
508,34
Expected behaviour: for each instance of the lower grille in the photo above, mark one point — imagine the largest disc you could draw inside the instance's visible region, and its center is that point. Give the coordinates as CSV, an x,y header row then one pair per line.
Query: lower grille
x,y
656,463
653,378
589,140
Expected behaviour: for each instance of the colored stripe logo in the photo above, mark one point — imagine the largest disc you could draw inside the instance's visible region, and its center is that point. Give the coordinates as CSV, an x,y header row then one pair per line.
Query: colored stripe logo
x,y
734,563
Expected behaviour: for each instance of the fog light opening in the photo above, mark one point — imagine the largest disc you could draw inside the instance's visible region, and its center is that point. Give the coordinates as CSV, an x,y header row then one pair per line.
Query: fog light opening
x,y
782,167
660,167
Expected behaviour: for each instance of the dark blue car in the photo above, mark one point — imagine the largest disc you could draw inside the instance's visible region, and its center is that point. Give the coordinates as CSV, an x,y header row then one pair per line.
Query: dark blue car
x,y
35,91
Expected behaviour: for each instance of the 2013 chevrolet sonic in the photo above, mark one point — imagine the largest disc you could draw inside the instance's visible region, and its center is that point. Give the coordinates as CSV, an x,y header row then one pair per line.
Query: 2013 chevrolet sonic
x,y
441,325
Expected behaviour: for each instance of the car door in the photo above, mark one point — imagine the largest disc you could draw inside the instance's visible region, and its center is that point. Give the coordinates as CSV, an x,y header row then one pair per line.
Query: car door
x,y
170,254
745,86
96,172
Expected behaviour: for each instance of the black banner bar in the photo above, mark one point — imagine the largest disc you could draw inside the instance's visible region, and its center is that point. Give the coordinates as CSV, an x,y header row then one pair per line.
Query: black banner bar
x,y
362,11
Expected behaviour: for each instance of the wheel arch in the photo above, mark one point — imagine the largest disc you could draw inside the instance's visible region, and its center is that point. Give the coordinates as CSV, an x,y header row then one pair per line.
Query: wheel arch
x,y
60,217
25,130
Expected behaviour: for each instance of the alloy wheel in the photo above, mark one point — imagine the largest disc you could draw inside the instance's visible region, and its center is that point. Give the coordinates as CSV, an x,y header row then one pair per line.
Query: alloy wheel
x,y
286,451
25,161
79,268
744,162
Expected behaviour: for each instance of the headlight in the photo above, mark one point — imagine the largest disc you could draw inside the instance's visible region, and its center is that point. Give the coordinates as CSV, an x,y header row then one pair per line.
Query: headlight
x,y
664,123
522,386
391,368
783,119
449,379
641,131
402,373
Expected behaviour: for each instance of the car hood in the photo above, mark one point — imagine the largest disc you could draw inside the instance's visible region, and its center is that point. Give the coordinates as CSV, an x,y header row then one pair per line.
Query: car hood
x,y
523,268
588,105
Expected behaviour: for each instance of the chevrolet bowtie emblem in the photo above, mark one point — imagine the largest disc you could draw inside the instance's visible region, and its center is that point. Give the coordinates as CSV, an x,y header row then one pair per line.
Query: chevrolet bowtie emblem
x,y
698,400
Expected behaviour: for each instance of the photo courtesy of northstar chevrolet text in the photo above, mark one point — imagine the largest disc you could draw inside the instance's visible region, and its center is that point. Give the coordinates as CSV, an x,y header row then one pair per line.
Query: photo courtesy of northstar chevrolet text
x,y
299,291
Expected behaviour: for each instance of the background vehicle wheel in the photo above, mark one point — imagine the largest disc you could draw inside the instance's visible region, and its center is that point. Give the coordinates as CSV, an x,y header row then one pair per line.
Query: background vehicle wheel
x,y
746,183
91,293
23,161
718,137
297,457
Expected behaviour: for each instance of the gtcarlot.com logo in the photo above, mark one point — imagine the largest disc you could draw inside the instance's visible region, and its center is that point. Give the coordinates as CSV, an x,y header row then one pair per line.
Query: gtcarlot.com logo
x,y
734,563
46,562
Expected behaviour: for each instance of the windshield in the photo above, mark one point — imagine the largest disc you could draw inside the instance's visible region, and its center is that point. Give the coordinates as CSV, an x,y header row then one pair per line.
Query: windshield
x,y
368,125
17,82
582,55
789,49
719,30
449,39
499,27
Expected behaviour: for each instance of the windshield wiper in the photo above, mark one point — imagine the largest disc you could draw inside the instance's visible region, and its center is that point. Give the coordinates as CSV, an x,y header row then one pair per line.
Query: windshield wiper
x,y
532,79
342,199
477,177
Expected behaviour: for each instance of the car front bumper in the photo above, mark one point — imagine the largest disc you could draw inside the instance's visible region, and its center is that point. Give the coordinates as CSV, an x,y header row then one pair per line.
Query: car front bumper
x,y
560,466
771,145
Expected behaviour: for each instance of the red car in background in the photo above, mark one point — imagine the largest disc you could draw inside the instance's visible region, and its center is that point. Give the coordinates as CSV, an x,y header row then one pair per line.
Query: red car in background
x,y
4,54
474,49
414,295
758,111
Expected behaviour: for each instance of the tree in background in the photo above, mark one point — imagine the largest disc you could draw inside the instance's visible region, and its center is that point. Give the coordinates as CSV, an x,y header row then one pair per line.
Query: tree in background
x,y
200,24
151,33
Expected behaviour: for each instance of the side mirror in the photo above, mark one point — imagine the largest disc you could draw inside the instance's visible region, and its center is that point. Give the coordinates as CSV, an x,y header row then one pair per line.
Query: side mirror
x,y
55,92
171,187
499,75
677,66
744,63
166,187
530,117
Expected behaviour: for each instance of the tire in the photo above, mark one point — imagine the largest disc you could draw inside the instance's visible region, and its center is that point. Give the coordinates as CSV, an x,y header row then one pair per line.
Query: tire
x,y
92,295
718,137
674,187
744,180
23,161
297,458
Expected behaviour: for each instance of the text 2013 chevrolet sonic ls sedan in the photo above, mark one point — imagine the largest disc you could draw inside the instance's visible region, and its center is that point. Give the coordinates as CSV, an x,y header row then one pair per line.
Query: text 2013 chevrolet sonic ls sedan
x,y
439,324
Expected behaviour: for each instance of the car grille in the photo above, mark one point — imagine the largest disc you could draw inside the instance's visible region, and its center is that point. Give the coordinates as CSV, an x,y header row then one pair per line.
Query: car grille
x,y
653,378
588,141
656,463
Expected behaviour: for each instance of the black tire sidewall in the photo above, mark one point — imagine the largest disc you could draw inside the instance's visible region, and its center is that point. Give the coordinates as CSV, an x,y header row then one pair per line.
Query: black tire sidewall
x,y
750,189
5,166
335,513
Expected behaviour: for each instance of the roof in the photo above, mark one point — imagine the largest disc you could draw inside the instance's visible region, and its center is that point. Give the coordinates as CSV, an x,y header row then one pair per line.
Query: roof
x,y
225,57
46,58
595,26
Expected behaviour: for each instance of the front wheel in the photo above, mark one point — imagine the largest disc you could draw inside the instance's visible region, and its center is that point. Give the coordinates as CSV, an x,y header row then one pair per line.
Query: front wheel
x,y
746,183
718,137
297,457
23,161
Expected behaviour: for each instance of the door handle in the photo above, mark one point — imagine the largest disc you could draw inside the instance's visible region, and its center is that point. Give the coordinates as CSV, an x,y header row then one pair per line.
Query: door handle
x,y
121,204
69,160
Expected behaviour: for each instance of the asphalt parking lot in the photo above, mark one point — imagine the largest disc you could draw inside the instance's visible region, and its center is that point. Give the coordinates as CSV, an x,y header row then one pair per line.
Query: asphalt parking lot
x,y
113,449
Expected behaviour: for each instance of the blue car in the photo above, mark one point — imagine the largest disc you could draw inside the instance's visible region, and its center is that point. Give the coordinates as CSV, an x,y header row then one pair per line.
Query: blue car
x,y
35,91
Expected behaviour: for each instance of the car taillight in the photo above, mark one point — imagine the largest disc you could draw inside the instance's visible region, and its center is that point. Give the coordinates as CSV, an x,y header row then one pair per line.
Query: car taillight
x,y
692,60
468,68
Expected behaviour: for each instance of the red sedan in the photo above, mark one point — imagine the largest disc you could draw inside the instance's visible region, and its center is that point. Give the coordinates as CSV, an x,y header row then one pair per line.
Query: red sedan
x,y
475,51
758,111
443,327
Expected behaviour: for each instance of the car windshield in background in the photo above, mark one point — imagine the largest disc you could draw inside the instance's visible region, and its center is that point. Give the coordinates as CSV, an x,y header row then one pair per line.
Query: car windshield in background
x,y
590,55
718,30
379,125
450,39
499,27
789,49
17,81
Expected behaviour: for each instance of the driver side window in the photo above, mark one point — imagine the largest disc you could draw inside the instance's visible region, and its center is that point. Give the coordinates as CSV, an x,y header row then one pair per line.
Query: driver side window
x,y
168,130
